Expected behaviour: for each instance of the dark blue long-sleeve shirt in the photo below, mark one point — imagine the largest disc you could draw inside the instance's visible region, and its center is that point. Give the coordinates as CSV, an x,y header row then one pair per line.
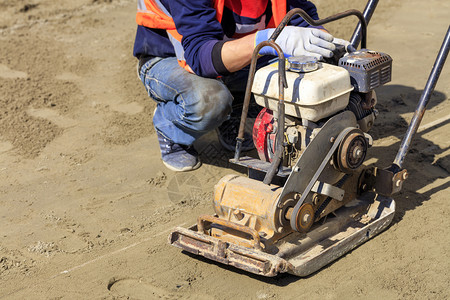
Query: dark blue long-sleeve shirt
x,y
196,21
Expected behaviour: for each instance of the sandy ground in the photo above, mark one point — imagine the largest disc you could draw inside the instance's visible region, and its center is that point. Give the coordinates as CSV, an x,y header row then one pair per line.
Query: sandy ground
x,y
86,204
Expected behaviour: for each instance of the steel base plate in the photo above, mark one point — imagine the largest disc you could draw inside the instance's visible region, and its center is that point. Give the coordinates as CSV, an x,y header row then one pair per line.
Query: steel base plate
x,y
298,254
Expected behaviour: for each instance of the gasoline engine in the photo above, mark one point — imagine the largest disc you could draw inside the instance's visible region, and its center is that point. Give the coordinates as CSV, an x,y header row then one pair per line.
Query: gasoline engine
x,y
317,91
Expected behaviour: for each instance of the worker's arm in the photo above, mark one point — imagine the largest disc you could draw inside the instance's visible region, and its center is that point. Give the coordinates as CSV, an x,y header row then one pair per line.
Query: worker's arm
x,y
196,21
294,41
237,54
203,36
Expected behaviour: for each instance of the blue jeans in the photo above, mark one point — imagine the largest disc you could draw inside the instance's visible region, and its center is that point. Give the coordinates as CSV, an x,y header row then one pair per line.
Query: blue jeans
x,y
188,105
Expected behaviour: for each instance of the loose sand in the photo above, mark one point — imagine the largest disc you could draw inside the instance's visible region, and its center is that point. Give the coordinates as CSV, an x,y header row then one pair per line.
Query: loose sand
x,y
86,204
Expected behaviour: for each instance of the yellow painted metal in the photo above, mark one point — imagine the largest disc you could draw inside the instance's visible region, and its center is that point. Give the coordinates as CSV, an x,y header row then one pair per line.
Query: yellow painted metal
x,y
250,203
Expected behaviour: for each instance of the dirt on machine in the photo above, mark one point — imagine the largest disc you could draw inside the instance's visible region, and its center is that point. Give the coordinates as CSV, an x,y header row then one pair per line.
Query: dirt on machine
x,y
308,198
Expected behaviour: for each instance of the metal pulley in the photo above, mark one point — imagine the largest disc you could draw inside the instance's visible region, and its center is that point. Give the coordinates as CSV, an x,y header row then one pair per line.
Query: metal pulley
x,y
351,152
305,217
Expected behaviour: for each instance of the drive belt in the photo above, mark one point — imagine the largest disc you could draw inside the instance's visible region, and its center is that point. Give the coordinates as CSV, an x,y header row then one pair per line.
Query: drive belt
x,y
327,201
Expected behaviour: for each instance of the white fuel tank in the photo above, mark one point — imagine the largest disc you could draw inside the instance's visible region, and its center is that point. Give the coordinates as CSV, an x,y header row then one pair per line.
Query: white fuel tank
x,y
311,96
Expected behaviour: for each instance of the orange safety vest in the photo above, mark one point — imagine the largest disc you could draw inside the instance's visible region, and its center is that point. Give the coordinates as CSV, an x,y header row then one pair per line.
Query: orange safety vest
x,y
151,14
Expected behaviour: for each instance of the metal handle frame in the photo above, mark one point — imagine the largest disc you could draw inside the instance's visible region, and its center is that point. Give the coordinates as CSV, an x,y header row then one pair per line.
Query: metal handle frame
x,y
282,83
368,12
423,102
311,21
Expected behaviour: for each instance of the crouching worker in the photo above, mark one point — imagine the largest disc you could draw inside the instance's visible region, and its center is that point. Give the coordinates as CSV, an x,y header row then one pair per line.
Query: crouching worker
x,y
194,56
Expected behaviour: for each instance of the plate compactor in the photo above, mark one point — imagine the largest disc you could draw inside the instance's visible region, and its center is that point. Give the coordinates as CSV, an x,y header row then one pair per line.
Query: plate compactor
x,y
308,199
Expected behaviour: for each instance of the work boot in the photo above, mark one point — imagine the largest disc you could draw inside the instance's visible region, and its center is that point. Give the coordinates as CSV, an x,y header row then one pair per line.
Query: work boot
x,y
227,132
176,157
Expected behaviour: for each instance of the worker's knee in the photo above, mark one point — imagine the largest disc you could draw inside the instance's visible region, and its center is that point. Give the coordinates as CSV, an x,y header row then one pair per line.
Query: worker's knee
x,y
211,105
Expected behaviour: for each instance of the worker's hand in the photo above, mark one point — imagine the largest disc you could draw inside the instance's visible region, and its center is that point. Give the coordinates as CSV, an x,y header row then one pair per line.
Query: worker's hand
x,y
348,47
295,41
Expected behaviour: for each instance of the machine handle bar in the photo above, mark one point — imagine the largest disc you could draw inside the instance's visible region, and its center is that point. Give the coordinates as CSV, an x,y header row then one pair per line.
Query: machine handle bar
x,y
311,21
421,106
248,90
368,12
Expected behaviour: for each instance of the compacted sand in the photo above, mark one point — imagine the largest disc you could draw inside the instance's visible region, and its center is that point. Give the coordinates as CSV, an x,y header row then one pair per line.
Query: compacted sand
x,y
86,204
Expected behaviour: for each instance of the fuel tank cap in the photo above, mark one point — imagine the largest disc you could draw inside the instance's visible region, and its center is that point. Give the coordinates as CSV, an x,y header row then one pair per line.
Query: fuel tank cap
x,y
302,63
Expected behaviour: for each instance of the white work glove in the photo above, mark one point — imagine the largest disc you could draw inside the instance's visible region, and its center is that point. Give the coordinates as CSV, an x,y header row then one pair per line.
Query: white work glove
x,y
296,41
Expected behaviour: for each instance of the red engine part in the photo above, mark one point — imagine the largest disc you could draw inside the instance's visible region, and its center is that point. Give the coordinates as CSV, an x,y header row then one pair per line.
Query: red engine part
x,y
264,135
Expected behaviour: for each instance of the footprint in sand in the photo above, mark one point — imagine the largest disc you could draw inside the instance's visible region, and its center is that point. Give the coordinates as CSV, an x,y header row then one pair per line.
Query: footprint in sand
x,y
51,115
137,289
68,77
7,73
5,146
128,108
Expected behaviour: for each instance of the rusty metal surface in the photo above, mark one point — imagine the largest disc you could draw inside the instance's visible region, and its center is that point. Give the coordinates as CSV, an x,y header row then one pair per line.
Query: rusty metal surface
x,y
298,254
250,204
238,227
250,260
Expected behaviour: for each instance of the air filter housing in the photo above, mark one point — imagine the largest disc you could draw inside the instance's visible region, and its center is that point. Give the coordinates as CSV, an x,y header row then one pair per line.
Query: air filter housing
x,y
368,69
